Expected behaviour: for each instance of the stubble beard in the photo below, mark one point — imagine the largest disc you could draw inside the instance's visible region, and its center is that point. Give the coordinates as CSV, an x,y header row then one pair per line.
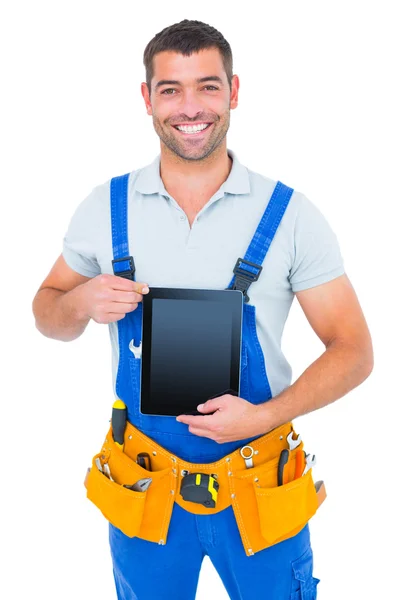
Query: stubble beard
x,y
196,152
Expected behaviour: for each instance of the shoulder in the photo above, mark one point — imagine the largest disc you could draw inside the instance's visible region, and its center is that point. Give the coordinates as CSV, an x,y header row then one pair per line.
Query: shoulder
x,y
302,215
262,188
99,197
96,198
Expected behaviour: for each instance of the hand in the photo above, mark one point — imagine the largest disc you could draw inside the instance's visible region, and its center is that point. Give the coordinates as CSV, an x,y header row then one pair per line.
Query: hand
x,y
235,419
107,298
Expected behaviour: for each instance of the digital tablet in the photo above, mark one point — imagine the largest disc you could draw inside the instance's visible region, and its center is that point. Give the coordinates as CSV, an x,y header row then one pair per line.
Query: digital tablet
x,y
191,348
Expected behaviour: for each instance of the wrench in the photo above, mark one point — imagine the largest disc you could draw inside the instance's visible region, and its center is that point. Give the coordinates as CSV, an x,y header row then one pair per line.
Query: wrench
x,y
310,462
105,469
293,443
248,459
107,472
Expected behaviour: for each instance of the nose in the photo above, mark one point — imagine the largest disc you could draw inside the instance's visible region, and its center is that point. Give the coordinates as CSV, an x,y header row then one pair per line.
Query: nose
x,y
190,104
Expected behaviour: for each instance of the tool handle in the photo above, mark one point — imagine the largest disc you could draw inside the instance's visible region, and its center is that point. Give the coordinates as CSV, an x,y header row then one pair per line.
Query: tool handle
x,y
283,458
118,422
300,463
143,459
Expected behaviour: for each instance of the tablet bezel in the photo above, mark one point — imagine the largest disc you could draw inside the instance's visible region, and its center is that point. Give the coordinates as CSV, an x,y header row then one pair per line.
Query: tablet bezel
x,y
234,302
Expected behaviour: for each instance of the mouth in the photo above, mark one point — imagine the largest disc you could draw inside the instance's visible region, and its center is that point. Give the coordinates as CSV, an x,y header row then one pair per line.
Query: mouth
x,y
192,130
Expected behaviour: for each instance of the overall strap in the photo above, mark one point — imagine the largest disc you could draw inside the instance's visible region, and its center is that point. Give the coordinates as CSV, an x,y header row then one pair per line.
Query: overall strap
x,y
248,269
123,264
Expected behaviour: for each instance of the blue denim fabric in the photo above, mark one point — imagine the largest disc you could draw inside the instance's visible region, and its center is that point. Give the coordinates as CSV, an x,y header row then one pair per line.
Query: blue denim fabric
x,y
147,571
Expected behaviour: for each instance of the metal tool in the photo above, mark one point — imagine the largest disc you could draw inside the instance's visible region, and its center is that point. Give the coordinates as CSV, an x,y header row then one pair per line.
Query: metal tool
x,y
293,443
247,459
283,458
140,486
310,462
106,471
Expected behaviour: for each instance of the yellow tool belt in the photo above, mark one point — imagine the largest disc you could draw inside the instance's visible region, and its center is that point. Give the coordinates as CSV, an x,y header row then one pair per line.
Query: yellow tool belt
x,y
265,512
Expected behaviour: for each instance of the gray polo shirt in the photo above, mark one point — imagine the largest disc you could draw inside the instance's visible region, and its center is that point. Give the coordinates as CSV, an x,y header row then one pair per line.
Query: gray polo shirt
x,y
168,253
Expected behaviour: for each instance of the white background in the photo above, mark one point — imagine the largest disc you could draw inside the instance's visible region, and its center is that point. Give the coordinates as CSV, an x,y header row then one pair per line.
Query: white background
x,y
318,109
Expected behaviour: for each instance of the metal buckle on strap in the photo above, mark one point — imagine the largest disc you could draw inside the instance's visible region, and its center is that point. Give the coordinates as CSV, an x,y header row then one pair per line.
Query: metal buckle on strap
x,y
244,278
127,274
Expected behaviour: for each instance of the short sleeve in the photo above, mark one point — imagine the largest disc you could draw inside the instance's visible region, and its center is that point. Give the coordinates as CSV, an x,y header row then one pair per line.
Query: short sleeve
x,y
317,256
79,243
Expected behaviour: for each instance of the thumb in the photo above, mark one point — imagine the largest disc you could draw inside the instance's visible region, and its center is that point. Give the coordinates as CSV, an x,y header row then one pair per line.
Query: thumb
x,y
210,405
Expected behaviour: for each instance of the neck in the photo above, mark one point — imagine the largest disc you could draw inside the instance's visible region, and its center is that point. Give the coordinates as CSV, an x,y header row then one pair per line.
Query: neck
x,y
193,176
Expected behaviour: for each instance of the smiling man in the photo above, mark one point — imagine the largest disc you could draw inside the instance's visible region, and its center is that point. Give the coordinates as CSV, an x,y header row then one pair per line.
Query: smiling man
x,y
193,213
190,98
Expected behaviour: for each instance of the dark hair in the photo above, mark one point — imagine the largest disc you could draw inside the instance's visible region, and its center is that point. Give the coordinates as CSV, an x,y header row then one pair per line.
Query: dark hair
x,y
187,37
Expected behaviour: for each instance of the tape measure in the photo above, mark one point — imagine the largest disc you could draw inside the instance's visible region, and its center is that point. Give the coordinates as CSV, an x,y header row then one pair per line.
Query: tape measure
x,y
200,488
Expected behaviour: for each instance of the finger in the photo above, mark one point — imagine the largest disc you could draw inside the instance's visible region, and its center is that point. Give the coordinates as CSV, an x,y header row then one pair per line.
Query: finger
x,y
199,432
211,405
121,307
194,421
119,296
121,283
113,317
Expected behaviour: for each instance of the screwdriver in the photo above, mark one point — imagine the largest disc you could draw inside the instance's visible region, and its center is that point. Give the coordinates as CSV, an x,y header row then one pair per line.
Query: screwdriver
x,y
283,458
118,423
300,463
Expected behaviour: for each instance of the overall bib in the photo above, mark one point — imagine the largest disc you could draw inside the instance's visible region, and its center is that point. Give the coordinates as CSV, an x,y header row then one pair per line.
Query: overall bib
x,y
144,570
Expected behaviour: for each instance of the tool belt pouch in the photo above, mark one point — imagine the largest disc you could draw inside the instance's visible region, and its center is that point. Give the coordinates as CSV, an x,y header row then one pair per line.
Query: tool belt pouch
x,y
129,510
285,510
267,513
121,506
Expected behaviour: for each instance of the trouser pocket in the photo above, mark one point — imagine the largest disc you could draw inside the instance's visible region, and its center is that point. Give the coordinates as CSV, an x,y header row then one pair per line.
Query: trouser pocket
x,y
285,510
304,584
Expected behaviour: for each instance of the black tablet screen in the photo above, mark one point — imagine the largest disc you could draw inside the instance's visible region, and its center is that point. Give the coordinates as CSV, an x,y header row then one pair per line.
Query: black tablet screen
x,y
193,354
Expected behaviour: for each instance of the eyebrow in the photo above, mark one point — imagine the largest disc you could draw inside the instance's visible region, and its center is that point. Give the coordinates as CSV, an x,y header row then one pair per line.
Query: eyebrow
x,y
201,80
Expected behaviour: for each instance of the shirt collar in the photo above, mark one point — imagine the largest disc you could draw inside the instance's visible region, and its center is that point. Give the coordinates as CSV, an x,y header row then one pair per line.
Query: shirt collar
x,y
149,181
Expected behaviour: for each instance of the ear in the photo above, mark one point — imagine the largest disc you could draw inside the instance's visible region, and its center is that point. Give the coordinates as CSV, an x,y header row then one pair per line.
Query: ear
x,y
234,92
146,96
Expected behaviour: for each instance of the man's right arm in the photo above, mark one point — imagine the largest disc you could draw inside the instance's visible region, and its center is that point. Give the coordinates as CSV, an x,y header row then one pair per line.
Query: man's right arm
x,y
58,305
66,301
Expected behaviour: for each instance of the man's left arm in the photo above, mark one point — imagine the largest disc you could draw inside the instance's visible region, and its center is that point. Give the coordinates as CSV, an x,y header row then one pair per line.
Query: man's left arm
x,y
334,313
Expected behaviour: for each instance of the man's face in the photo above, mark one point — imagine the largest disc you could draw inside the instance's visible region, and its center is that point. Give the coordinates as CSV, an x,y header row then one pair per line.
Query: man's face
x,y
191,117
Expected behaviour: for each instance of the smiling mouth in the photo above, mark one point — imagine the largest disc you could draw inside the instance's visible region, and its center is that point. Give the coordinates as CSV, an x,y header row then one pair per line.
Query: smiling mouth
x,y
192,129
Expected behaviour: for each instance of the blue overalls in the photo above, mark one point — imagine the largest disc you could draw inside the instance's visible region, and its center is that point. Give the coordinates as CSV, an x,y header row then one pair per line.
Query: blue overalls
x,y
145,570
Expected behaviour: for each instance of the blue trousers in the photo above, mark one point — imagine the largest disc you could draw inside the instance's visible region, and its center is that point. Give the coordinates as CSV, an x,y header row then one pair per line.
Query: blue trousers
x,y
147,571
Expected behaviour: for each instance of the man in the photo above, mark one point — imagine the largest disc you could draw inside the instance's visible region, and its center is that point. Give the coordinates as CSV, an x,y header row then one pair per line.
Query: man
x,y
192,213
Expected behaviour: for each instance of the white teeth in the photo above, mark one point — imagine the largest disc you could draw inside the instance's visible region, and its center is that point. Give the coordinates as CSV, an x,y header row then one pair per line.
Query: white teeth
x,y
191,128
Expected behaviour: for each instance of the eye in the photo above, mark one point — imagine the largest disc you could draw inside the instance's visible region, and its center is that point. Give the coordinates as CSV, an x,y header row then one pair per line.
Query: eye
x,y
166,92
